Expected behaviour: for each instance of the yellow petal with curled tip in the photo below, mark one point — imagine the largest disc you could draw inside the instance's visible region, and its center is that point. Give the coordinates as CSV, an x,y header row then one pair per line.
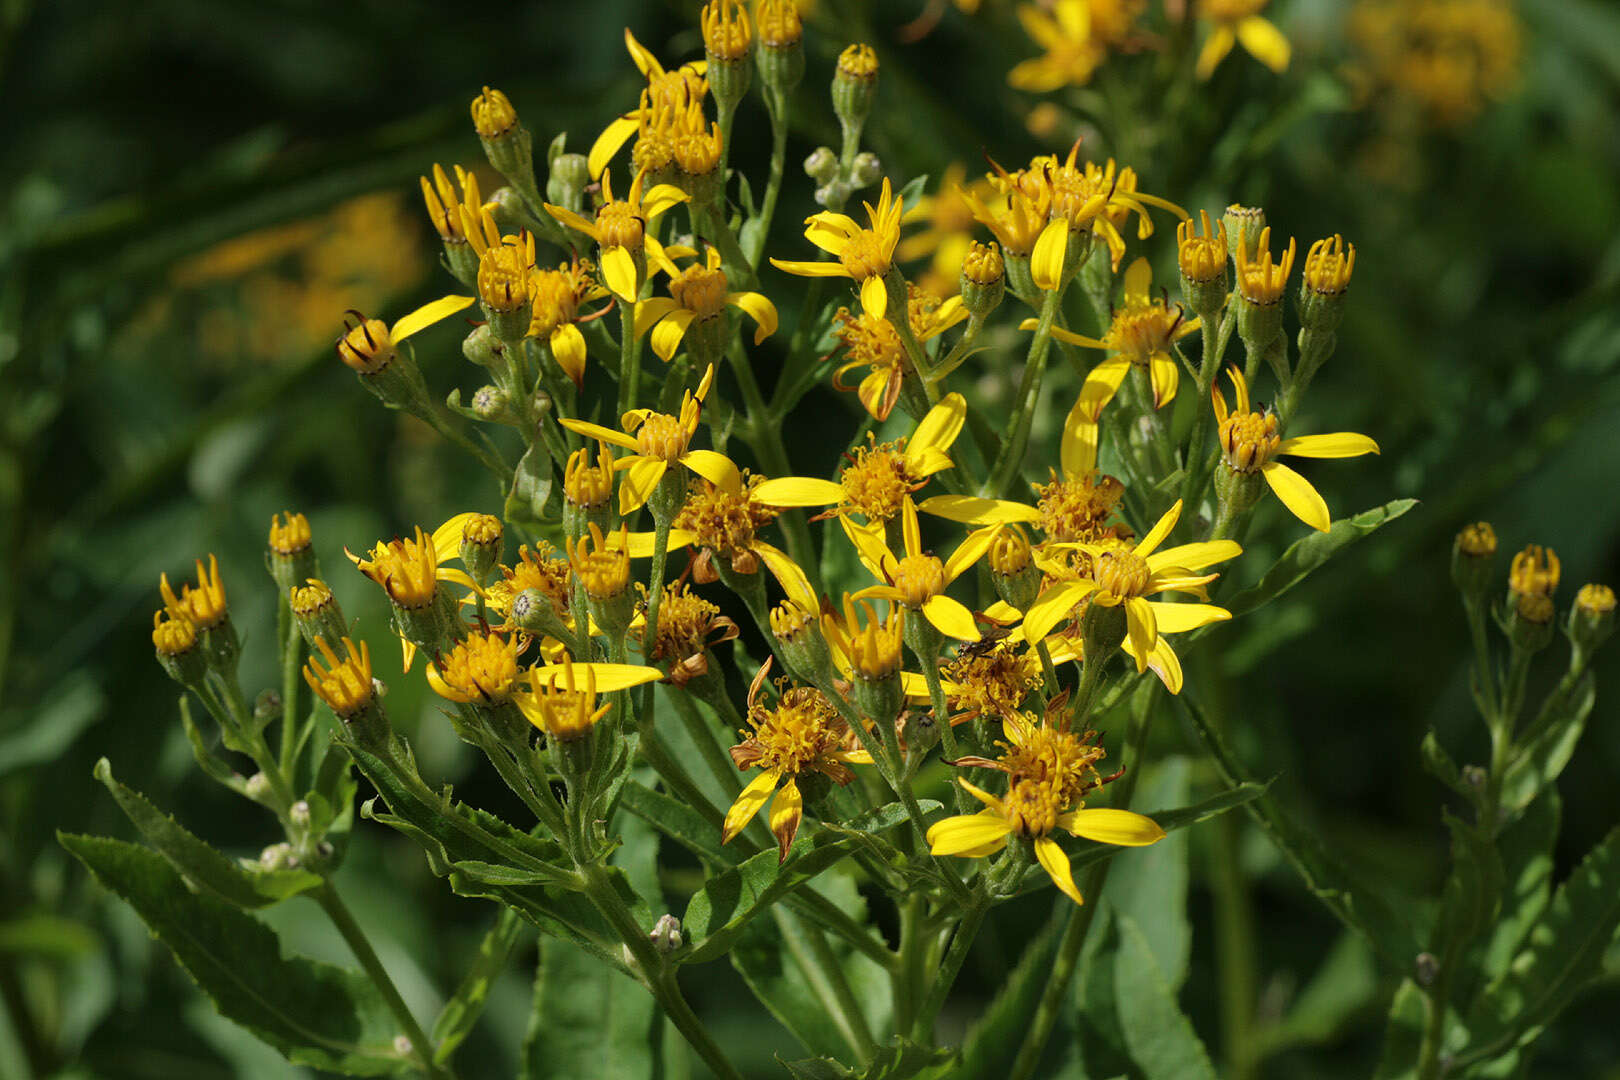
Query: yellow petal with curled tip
x,y
649,311
875,297
447,537
1056,864
1138,282
939,428
645,61
1046,261
427,315
1077,450
787,810
619,274
788,574
1339,444
1102,383
759,308
798,491
597,431
1298,495
638,483
972,510
1109,826
749,803
967,834
1160,530
951,617
660,199
830,230
615,135
1264,42
1164,377
1052,607
714,467
442,688
568,349
605,677
1142,628
1194,556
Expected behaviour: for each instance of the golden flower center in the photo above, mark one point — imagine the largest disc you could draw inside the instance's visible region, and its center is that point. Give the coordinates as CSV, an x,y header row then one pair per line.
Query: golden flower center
x,y
698,152
653,152
662,437
874,649
345,684
1329,265
983,264
1535,572
586,485
503,278
1076,196
1138,333
171,637
604,573
725,522
1033,808
858,62
617,225
726,33
367,348
1249,440
789,620
492,114
1009,553
863,256
993,683
779,23
919,578
1058,759
869,340
1123,574
684,622
877,482
567,715
797,732
406,569
291,538
1076,510
308,599
540,571
701,291
1202,258
482,530
556,300
483,666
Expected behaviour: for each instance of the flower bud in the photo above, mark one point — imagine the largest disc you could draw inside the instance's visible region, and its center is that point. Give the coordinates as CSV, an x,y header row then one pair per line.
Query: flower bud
x,y
666,935
866,170
1328,266
1530,621
822,165
491,403
390,373
1260,287
1013,570
1243,225
803,646
266,708
874,659
1472,558
299,814
566,184
277,856
507,143
1201,256
604,571
587,491
482,546
175,642
292,553
781,47
1591,620
316,612
727,46
984,278
349,690
854,86
534,612
1534,572
1237,491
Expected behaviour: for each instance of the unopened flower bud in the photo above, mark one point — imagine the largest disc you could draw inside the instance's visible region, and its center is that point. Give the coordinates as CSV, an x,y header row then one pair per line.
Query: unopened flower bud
x,y
507,143
1201,255
1013,570
389,372
1243,225
666,935
854,86
798,635
316,612
1591,620
266,708
277,856
1328,266
491,403
727,46
258,789
866,170
291,550
298,814
175,641
984,278
481,546
822,165
781,46
565,186
1472,558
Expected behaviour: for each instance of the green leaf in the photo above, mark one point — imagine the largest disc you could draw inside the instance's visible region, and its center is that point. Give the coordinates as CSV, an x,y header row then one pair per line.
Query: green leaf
x,y
679,822
200,863
1526,848
913,190
1548,746
1472,892
316,1014
1303,557
210,764
531,487
1353,900
589,1022
466,1005
1160,1038
821,1068
1403,1035
1152,883
768,966
1563,954
900,1060
1343,986
994,1039
1438,763
719,910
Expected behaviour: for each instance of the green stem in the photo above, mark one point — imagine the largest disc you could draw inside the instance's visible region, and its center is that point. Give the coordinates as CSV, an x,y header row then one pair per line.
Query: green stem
x,y
1029,392
825,973
629,359
343,919
944,977
290,654
773,187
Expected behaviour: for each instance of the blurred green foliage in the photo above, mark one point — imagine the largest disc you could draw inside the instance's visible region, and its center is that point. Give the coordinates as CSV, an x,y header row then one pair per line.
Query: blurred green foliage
x,y
162,395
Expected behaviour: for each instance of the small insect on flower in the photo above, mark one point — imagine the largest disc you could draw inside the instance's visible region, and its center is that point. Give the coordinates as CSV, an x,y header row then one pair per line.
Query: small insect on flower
x,y
799,735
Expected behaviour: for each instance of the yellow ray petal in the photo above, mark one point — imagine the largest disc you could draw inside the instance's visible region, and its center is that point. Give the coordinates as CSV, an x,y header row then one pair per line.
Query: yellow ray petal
x,y
875,297
619,274
638,483
615,135
1298,495
1164,376
607,677
597,431
427,315
1179,618
568,349
798,491
649,311
787,810
1101,384
1052,607
748,804
939,428
1108,826
1264,42
1077,450
640,545
447,537
951,617
1068,336
971,510
1160,530
1056,864
1339,444
869,544
967,833
1143,629
660,199
1046,261
1194,556
811,269
714,467
1138,282
758,308
788,573
1220,42
969,551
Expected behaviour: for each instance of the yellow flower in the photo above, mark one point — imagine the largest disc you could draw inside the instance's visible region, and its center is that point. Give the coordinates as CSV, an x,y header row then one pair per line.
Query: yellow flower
x,y
1017,218
1250,443
726,33
801,733
688,628
291,538
444,209
492,114
1141,335
698,294
722,519
1259,280
622,231
1534,572
1072,52
864,255
1031,810
370,345
1240,21
1201,253
665,89
345,684
1328,266
870,650
560,699
203,606
505,263
879,477
1127,577
918,580
871,341
481,669
558,295
657,441
172,636
949,221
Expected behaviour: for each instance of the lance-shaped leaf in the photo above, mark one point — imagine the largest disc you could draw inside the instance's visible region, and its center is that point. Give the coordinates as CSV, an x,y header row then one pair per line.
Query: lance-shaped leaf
x,y
1304,556
316,1014
466,1005
588,1021
1158,1035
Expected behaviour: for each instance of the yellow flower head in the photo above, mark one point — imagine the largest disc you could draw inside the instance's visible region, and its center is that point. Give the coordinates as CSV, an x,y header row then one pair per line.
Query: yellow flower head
x,y
1477,541
779,23
541,570
621,232
406,569
563,705
1077,508
585,485
203,605
1239,21
993,682
800,734
557,296
858,62
688,627
1250,442
863,254
1534,572
308,599
1201,252
370,345
723,521
1017,218
871,341
1073,48
292,538
1260,281
666,93
872,647
505,263
1328,266
345,685
172,636
1594,600
726,33
492,114
697,295
917,579
482,669
445,209
604,570
983,264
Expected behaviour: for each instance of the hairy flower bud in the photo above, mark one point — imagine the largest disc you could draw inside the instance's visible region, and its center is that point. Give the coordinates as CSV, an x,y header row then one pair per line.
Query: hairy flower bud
x,y
854,86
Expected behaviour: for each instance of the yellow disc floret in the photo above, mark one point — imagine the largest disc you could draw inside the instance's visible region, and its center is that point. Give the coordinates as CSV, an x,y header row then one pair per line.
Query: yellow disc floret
x,y
603,570
291,538
203,605
406,569
172,636
345,684
482,668
1328,266
1534,572
1201,252
1249,440
492,114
